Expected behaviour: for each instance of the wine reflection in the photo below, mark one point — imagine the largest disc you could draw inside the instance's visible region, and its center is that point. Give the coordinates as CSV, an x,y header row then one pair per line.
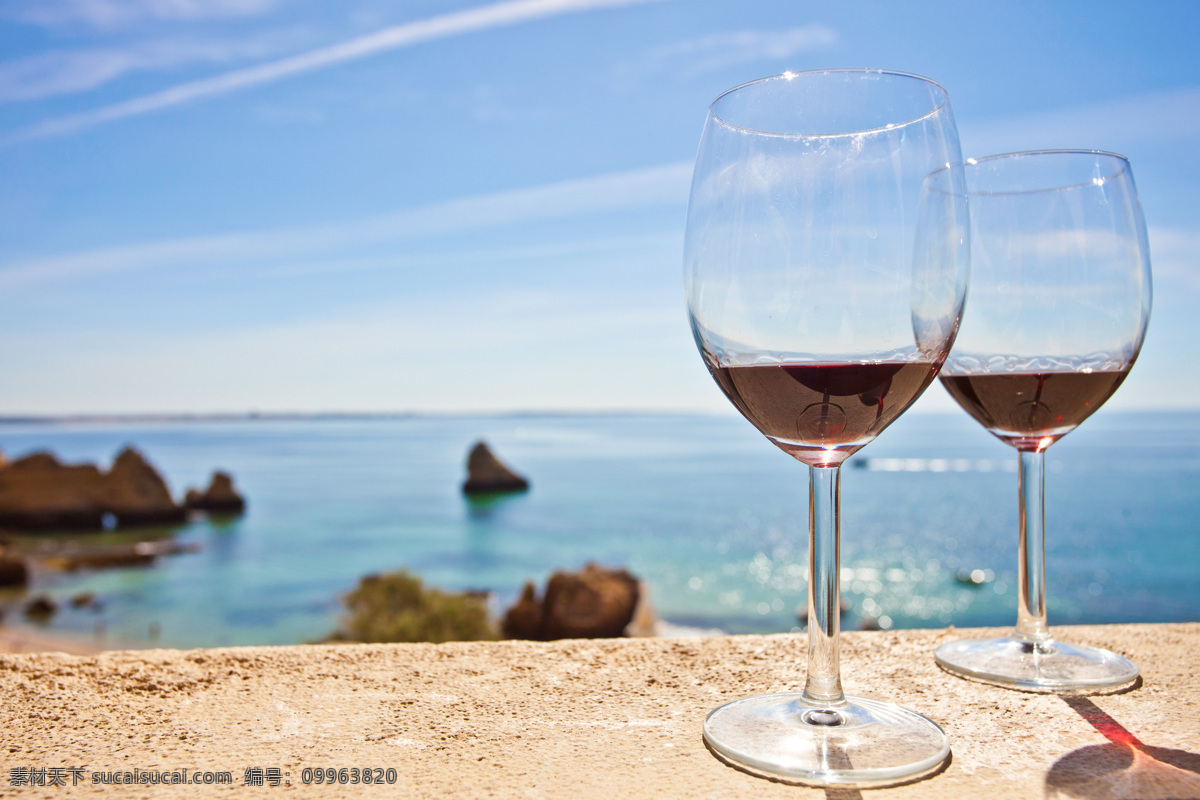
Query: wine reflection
x,y
1123,767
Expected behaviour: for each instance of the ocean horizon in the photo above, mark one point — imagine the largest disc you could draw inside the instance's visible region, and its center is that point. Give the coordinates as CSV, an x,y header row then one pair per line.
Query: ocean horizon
x,y
699,506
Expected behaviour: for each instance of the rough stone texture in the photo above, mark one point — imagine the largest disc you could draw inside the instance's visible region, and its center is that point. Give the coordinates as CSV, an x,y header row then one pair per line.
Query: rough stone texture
x,y
578,718
486,473
220,496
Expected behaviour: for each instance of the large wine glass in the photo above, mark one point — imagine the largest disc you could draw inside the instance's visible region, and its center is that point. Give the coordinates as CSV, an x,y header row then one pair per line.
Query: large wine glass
x,y
825,287
1060,299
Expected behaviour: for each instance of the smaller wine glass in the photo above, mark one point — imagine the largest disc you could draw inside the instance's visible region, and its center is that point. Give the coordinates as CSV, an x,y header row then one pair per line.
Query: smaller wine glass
x,y
1058,308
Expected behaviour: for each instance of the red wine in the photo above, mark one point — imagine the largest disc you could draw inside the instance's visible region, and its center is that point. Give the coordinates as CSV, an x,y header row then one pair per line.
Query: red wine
x,y
821,413
1032,410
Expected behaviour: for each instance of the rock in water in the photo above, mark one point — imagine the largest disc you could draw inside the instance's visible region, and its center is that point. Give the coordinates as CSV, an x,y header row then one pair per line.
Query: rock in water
x,y
486,473
41,608
84,600
220,496
39,493
593,603
136,494
13,571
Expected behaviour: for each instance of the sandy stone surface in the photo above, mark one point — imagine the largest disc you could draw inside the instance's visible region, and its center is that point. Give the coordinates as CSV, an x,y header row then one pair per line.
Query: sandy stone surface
x,y
575,719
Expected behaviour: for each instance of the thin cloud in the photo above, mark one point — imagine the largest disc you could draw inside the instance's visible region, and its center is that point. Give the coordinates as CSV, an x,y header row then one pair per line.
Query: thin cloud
x,y
119,13
708,53
446,25
1174,254
59,72
1152,117
646,188
582,249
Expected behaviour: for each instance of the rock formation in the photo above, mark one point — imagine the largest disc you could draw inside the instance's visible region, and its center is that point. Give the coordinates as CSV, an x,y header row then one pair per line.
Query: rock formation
x,y
220,496
486,473
524,619
136,494
137,554
38,492
593,603
13,571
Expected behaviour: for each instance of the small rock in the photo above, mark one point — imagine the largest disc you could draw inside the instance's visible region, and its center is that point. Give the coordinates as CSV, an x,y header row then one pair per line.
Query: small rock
x,y
524,619
41,608
13,571
83,600
220,496
486,473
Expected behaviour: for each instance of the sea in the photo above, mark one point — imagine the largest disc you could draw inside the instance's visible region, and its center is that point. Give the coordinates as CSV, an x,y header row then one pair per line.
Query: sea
x,y
702,508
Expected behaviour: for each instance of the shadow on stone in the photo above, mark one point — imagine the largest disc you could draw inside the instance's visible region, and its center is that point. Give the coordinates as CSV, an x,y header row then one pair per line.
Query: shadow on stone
x,y
1124,767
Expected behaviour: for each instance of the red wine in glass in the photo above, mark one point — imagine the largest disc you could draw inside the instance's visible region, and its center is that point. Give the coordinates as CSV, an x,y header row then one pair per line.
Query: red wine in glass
x,y
823,413
824,286
1033,410
1060,300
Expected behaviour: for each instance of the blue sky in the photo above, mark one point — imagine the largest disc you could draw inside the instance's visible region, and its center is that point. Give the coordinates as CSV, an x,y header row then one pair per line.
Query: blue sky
x,y
285,205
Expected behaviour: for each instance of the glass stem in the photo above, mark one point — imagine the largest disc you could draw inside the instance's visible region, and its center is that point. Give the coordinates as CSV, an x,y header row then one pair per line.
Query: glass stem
x,y
824,684
1031,613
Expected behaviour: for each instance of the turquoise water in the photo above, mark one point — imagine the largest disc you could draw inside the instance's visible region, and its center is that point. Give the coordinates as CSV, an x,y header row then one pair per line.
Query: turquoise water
x,y
701,507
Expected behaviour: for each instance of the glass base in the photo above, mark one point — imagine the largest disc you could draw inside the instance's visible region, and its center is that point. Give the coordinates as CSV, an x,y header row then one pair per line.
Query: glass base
x,y
859,743
1048,666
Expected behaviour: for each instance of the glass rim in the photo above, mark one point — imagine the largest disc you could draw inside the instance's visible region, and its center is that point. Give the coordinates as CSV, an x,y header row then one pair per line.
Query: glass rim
x,y
789,75
1122,166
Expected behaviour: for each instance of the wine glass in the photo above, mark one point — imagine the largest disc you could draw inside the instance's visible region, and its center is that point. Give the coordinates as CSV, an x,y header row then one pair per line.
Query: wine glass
x,y
1060,299
824,288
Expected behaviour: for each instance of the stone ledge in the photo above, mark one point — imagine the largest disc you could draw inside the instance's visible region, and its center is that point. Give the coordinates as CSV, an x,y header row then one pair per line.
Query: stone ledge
x,y
578,719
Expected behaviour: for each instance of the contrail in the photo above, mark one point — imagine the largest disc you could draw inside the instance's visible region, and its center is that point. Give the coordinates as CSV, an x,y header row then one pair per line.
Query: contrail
x,y
475,19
